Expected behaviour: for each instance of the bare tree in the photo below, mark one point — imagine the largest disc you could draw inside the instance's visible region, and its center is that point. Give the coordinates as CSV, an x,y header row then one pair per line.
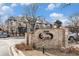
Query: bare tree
x,y
74,19
31,18
30,13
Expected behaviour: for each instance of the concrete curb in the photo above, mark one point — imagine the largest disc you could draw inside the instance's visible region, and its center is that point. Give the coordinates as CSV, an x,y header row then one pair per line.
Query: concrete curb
x,y
48,54
14,52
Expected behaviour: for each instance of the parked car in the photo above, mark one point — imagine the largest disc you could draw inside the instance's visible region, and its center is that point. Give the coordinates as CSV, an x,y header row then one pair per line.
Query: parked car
x,y
73,36
3,34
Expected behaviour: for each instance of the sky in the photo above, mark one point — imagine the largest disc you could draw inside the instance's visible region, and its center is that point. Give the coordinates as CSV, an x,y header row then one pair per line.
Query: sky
x,y
50,11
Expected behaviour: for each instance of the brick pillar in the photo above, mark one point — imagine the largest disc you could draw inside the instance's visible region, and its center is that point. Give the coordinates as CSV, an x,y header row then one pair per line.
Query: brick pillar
x,y
66,37
28,39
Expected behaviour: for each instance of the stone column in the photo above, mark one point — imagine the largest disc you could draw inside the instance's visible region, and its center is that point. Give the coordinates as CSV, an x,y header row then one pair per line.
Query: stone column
x,y
28,39
66,37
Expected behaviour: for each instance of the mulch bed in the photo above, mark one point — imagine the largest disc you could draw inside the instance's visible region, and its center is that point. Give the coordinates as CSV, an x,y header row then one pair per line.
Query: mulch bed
x,y
23,47
61,53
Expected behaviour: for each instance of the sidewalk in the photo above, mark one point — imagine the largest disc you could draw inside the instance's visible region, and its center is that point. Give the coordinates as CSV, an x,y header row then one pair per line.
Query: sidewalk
x,y
33,53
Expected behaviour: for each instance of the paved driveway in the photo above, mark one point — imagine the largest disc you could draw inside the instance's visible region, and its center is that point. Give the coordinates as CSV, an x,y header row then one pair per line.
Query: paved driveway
x,y
5,43
4,51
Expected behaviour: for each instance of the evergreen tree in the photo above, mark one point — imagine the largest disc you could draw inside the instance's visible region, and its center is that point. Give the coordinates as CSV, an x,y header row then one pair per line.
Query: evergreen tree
x,y
58,23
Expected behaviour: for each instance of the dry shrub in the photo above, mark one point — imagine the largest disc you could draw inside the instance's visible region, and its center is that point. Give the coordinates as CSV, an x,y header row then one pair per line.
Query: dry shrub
x,y
75,50
72,49
23,46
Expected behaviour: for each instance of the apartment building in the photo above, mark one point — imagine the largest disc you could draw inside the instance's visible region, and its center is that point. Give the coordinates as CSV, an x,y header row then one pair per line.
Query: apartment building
x,y
21,24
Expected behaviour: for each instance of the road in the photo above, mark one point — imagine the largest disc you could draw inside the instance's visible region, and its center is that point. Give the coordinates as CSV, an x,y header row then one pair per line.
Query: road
x,y
5,43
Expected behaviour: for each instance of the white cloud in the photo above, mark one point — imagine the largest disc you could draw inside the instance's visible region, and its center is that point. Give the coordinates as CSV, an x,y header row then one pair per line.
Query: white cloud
x,y
64,21
20,15
58,5
3,18
52,6
59,16
1,4
5,11
13,5
26,4
56,15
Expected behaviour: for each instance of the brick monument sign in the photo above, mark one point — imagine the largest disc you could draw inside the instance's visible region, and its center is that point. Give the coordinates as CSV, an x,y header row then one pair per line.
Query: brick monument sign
x,y
49,38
